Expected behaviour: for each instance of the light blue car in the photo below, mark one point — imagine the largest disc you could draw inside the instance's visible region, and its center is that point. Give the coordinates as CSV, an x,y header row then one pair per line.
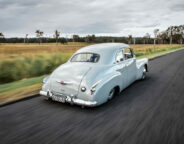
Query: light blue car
x,y
94,74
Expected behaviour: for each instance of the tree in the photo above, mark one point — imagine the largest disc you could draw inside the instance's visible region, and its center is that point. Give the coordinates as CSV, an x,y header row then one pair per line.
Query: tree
x,y
172,32
90,38
155,34
93,37
87,38
1,36
129,39
26,38
146,38
181,32
39,35
76,38
56,35
63,40
163,36
134,39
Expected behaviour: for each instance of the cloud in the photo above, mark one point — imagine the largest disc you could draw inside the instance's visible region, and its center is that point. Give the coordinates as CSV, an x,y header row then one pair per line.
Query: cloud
x,y
178,7
116,17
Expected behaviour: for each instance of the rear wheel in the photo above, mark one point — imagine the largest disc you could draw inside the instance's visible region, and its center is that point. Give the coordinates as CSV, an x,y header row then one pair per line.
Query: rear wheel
x,y
47,98
144,73
111,93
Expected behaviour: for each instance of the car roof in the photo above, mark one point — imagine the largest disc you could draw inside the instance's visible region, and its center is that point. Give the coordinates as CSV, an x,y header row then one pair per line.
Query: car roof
x,y
107,51
103,48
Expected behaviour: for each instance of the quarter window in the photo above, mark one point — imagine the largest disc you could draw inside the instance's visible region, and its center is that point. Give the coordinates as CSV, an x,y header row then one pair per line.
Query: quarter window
x,y
119,56
128,53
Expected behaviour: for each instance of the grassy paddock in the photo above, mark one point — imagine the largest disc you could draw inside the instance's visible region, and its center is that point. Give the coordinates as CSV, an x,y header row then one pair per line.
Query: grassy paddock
x,y
18,51
141,50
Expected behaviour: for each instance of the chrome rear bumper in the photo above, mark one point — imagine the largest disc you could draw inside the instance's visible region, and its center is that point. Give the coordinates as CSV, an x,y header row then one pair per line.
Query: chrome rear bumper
x,y
43,93
71,100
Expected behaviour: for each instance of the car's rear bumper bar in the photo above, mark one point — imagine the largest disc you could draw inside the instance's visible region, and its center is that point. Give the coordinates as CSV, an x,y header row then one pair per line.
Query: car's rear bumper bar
x,y
43,93
72,100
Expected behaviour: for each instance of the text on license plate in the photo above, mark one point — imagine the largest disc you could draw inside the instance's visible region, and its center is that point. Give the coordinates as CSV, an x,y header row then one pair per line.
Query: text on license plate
x,y
59,99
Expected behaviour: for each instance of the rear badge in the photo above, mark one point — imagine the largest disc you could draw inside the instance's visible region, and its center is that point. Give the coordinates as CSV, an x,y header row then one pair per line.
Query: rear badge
x,y
64,83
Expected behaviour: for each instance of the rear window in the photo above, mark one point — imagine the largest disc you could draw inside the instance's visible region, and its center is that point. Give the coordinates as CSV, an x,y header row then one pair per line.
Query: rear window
x,y
86,57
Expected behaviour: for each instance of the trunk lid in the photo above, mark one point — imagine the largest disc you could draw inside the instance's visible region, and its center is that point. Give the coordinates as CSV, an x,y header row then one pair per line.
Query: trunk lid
x,y
67,78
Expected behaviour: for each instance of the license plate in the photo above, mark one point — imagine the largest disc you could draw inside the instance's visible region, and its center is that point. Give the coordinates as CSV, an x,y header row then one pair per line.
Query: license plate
x,y
59,99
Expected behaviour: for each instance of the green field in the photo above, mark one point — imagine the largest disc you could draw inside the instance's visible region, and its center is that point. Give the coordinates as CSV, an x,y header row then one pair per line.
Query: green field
x,y
22,67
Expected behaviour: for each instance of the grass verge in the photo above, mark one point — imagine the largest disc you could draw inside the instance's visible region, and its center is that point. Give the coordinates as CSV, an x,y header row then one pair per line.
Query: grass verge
x,y
27,87
20,89
159,53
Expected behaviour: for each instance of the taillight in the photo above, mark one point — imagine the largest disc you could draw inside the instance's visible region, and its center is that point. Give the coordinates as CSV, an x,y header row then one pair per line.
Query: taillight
x,y
92,91
62,82
93,88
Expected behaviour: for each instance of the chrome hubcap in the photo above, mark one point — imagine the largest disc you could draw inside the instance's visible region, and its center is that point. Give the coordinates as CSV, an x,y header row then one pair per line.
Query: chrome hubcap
x,y
144,73
111,93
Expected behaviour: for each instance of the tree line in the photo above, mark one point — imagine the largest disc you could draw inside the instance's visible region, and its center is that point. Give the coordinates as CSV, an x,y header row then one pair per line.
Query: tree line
x,y
173,34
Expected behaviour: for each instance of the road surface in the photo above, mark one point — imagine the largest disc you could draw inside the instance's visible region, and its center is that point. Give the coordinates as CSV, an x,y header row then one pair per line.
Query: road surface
x,y
147,112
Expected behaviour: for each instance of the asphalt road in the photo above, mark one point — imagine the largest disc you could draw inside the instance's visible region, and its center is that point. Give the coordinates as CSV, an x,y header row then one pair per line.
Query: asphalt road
x,y
149,111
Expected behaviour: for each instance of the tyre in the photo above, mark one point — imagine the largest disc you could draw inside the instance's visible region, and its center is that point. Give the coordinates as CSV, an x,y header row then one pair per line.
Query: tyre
x,y
111,93
144,73
47,98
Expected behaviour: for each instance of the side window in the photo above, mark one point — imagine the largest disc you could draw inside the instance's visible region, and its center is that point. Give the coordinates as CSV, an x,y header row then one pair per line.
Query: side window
x,y
128,53
119,56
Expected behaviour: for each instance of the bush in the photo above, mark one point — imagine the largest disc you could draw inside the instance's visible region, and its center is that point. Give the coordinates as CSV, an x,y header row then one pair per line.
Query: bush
x,y
30,67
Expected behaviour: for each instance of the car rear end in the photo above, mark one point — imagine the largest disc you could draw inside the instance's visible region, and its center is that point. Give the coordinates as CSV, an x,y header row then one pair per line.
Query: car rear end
x,y
65,86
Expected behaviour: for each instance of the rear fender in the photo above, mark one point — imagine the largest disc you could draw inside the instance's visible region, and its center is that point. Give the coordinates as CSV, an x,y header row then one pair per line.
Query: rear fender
x,y
140,66
106,84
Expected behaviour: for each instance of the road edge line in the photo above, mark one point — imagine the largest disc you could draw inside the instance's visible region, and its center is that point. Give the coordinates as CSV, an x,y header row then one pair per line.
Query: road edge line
x,y
19,100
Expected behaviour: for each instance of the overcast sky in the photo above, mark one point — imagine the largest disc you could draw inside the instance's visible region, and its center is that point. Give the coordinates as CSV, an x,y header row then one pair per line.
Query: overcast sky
x,y
99,17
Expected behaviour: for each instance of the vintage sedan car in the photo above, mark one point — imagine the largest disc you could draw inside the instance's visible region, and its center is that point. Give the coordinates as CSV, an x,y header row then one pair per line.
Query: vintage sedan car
x,y
94,74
